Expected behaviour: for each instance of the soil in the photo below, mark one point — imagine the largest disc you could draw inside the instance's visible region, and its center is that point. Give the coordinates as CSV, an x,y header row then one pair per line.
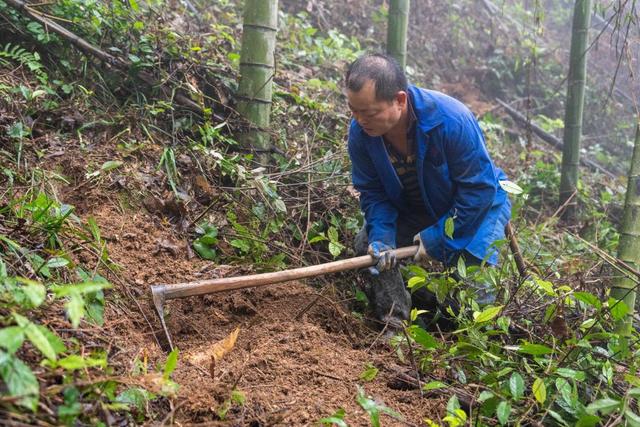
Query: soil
x,y
292,372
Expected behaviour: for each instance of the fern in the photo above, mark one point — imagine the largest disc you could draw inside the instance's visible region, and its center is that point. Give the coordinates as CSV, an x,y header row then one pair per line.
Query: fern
x,y
31,60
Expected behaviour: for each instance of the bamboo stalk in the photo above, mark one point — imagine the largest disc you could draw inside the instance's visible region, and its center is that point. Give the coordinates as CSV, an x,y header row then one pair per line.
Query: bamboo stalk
x,y
574,105
200,287
629,247
397,24
257,68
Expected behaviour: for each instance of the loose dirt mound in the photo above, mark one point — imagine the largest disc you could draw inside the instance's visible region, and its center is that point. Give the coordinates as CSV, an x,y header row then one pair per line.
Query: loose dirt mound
x,y
292,371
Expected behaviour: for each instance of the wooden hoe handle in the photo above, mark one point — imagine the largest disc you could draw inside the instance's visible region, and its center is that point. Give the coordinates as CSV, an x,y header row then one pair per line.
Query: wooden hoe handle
x,y
209,286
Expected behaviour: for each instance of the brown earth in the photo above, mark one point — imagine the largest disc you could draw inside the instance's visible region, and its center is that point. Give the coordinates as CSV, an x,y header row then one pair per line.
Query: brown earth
x,y
292,372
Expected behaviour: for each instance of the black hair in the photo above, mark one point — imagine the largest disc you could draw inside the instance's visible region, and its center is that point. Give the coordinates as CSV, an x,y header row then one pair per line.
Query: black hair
x,y
383,69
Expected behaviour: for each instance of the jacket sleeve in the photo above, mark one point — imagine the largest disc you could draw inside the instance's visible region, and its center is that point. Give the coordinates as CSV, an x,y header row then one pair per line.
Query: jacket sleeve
x,y
379,212
472,173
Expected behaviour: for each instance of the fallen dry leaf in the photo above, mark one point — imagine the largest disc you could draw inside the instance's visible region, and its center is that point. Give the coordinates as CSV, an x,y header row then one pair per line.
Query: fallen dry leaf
x,y
216,351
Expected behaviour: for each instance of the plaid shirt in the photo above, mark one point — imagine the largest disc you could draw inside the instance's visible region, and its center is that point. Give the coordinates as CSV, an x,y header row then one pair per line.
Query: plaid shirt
x,y
405,168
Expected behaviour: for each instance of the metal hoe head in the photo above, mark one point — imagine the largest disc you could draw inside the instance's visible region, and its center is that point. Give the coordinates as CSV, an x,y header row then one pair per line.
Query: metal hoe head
x,y
158,294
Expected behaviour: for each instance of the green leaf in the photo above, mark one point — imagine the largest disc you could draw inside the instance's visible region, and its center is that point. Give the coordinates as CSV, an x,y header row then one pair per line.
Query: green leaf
x,y
516,385
374,408
462,268
618,309
588,298
241,244
203,250
633,392
40,341
434,385
503,411
75,309
570,373
369,372
210,229
208,239
138,397
34,291
535,349
170,364
318,238
80,288
35,335
19,380
74,362
361,297
238,397
453,404
487,314
56,342
539,390
633,420
94,306
134,5
57,262
449,227
564,388
415,281
335,248
588,420
422,337
604,406
558,417
545,285
337,418
510,187
110,165
11,338
632,380
333,234
485,395
280,206
3,267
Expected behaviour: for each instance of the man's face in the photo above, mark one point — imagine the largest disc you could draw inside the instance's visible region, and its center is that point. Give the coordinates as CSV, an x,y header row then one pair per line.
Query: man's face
x,y
376,117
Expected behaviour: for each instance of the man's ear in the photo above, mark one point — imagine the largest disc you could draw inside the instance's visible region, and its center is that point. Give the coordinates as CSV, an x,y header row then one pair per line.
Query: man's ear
x,y
401,98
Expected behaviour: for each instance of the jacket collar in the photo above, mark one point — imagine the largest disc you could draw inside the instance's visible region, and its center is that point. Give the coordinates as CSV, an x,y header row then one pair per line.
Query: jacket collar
x,y
426,110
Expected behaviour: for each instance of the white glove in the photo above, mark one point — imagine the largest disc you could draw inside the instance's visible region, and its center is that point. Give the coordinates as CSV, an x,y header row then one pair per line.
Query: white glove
x,y
422,254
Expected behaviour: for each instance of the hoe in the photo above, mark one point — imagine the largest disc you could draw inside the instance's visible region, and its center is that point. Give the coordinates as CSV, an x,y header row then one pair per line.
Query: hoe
x,y
162,293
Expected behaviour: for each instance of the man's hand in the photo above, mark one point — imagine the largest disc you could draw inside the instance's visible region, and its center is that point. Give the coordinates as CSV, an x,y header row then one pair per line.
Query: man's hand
x,y
422,254
385,256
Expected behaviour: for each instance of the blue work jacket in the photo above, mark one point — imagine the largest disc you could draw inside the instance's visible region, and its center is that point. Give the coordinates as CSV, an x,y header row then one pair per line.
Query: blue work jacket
x,y
456,175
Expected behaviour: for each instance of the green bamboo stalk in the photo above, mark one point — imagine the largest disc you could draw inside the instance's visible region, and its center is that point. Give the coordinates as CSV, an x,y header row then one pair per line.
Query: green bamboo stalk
x,y
397,24
574,106
629,246
257,67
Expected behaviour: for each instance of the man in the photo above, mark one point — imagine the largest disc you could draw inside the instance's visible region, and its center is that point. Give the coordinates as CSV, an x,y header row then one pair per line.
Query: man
x,y
418,158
